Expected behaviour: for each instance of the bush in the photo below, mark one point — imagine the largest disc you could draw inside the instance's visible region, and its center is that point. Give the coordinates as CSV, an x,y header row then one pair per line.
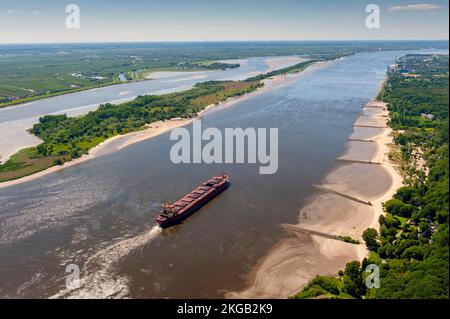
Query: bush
x,y
329,284
370,236
75,154
321,286
353,282
397,207
414,252
58,161
405,194
349,240
386,251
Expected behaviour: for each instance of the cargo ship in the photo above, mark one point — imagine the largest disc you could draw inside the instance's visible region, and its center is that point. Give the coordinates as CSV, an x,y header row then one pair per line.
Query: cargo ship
x,y
175,213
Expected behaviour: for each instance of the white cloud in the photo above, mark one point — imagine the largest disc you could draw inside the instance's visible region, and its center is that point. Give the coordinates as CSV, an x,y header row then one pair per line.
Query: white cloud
x,y
10,11
416,7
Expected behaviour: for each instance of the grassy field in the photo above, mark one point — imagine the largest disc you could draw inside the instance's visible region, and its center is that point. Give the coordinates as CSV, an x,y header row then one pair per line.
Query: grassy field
x,y
23,164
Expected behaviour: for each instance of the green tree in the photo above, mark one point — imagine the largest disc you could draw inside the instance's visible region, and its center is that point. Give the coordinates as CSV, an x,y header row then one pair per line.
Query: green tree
x,y
353,281
370,236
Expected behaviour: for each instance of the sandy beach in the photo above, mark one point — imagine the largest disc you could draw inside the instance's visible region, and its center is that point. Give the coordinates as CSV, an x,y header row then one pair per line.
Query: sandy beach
x,y
157,128
10,143
347,202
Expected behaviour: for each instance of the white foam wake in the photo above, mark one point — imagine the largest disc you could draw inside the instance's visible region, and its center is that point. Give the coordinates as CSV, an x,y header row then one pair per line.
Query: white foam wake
x,y
100,279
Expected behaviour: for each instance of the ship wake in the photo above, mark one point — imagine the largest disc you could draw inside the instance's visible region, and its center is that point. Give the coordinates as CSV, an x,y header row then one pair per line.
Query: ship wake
x,y
99,278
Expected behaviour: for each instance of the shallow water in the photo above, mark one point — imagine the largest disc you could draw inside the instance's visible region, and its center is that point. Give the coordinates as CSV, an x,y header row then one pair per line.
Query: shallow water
x,y
100,214
360,151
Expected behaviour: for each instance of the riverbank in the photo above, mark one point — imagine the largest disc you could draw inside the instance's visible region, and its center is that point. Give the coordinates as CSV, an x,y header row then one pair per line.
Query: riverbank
x,y
15,121
48,95
347,202
157,128
147,76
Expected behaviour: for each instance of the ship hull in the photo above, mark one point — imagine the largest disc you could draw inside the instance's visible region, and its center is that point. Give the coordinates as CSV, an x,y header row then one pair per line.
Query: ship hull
x,y
179,218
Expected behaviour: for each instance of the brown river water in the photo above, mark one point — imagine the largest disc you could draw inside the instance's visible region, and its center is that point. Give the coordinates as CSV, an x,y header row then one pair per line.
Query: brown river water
x,y
100,214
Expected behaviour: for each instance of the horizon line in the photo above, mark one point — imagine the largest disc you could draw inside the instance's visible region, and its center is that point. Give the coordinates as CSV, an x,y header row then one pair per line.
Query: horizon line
x,y
221,41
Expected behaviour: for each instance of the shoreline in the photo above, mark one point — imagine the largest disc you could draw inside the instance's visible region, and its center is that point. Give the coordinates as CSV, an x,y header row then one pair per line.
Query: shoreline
x,y
344,205
24,101
30,140
160,127
19,103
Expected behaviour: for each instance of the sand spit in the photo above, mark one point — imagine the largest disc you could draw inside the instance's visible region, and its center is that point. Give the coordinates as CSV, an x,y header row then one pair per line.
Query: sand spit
x,y
276,63
348,202
9,141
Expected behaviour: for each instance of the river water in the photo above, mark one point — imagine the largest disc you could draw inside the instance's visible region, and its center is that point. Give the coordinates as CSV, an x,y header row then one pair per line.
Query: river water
x,y
100,214
16,120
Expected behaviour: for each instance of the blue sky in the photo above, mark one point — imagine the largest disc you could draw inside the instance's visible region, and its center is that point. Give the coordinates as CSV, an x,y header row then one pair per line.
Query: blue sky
x,y
25,21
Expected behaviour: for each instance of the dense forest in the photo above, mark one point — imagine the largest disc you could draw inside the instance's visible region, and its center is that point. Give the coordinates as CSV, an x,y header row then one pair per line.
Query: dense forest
x,y
411,247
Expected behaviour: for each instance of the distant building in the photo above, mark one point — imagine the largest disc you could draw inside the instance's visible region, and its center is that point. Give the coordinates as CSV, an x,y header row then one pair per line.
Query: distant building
x,y
403,69
411,75
399,67
428,116
392,69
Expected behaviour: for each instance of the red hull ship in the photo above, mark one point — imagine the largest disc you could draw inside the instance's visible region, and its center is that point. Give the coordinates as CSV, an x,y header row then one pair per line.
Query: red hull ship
x,y
175,213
